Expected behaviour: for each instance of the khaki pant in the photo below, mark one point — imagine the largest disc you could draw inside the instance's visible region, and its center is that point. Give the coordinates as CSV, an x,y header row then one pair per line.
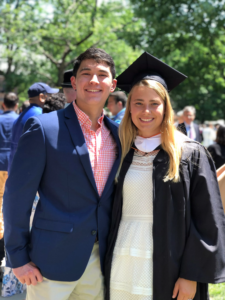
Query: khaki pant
x,y
3,178
88,287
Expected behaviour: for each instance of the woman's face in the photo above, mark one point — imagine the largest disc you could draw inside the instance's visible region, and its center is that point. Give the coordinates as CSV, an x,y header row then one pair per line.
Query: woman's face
x,y
147,111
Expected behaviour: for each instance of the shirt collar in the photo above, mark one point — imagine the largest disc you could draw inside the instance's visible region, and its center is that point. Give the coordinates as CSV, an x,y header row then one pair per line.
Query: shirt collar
x,y
84,119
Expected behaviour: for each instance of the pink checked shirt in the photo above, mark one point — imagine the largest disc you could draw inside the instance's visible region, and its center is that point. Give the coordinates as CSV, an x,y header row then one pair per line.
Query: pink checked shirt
x,y
101,147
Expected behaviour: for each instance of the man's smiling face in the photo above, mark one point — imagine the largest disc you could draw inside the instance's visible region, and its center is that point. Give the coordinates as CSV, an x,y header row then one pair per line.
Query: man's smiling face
x,y
93,83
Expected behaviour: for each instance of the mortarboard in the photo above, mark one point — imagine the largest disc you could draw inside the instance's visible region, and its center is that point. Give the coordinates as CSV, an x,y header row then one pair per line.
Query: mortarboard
x,y
149,67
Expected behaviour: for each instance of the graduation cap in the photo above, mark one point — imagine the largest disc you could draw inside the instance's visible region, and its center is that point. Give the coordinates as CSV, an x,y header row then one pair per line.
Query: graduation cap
x,y
149,67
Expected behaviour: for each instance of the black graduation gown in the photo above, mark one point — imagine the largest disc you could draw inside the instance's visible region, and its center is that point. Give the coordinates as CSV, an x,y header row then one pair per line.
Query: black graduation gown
x,y
218,154
188,223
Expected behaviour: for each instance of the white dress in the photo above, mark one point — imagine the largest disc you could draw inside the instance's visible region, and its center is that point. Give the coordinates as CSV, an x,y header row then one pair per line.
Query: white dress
x,y
132,267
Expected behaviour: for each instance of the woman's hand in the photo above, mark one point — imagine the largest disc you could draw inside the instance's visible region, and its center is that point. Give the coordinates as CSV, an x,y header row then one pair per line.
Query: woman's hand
x,y
185,289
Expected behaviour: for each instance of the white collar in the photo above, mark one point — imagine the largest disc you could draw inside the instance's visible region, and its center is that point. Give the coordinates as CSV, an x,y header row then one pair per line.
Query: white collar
x,y
147,144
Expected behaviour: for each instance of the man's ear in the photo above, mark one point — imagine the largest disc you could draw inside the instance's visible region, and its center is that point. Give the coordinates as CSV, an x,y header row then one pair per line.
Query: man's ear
x,y
73,82
120,104
42,98
114,83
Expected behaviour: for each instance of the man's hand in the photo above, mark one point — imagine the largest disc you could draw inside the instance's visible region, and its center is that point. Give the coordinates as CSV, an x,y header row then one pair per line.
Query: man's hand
x,y
185,288
28,274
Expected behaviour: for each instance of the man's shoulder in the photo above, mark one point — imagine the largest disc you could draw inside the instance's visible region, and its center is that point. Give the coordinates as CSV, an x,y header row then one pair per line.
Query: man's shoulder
x,y
54,115
50,121
11,117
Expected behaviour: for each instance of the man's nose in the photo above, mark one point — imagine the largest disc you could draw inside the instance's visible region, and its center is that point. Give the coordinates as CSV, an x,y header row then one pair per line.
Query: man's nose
x,y
94,79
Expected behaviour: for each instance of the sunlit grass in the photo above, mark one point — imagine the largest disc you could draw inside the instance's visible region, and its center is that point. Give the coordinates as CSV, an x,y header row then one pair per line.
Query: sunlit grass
x,y
217,291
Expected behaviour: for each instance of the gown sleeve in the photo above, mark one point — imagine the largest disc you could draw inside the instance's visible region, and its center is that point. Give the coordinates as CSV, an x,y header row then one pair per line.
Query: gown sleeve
x,y
203,258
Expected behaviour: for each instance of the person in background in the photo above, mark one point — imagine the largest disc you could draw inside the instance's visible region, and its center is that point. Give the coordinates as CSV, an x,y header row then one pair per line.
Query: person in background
x,y
25,105
117,105
37,94
54,102
10,104
192,129
217,150
68,90
209,135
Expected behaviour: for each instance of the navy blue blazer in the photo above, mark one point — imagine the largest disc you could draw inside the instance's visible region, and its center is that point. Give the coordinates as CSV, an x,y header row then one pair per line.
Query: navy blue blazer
x,y
6,124
70,212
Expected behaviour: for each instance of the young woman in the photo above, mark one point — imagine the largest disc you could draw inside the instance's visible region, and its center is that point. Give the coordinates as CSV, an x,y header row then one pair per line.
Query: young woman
x,y
167,237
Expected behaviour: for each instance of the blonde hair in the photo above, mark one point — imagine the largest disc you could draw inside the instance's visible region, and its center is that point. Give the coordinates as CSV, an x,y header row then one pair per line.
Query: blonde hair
x,y
169,137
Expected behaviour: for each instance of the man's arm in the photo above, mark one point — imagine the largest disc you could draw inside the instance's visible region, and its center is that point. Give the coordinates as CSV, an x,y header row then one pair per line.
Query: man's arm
x,y
21,187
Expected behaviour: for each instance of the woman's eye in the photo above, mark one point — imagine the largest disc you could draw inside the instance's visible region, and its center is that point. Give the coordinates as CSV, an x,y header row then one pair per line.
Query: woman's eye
x,y
138,103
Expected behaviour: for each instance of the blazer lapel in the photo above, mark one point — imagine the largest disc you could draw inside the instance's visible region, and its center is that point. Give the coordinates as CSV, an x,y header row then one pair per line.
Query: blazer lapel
x,y
77,137
114,131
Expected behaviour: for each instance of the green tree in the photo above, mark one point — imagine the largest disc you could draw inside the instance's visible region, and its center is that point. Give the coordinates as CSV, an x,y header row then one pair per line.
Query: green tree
x,y
189,35
57,31
15,23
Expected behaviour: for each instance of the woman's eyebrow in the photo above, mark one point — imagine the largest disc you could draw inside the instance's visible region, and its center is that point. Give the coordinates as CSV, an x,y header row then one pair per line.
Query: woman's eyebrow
x,y
152,100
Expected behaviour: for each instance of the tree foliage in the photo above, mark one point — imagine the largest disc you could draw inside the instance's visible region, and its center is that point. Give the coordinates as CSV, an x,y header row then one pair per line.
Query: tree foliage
x,y
41,39
189,35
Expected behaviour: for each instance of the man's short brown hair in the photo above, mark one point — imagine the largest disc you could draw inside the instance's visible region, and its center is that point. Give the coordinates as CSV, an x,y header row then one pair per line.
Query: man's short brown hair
x,y
98,55
10,100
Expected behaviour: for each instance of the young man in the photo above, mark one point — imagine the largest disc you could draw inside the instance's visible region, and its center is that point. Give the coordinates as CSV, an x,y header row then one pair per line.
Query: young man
x,y
10,104
37,94
117,105
71,157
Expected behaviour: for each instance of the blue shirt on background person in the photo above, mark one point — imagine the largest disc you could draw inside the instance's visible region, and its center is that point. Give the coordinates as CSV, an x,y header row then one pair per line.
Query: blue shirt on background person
x,y
118,117
37,94
6,124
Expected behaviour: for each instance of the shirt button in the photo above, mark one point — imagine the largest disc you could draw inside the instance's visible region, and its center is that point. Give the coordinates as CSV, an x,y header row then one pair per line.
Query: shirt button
x,y
93,232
